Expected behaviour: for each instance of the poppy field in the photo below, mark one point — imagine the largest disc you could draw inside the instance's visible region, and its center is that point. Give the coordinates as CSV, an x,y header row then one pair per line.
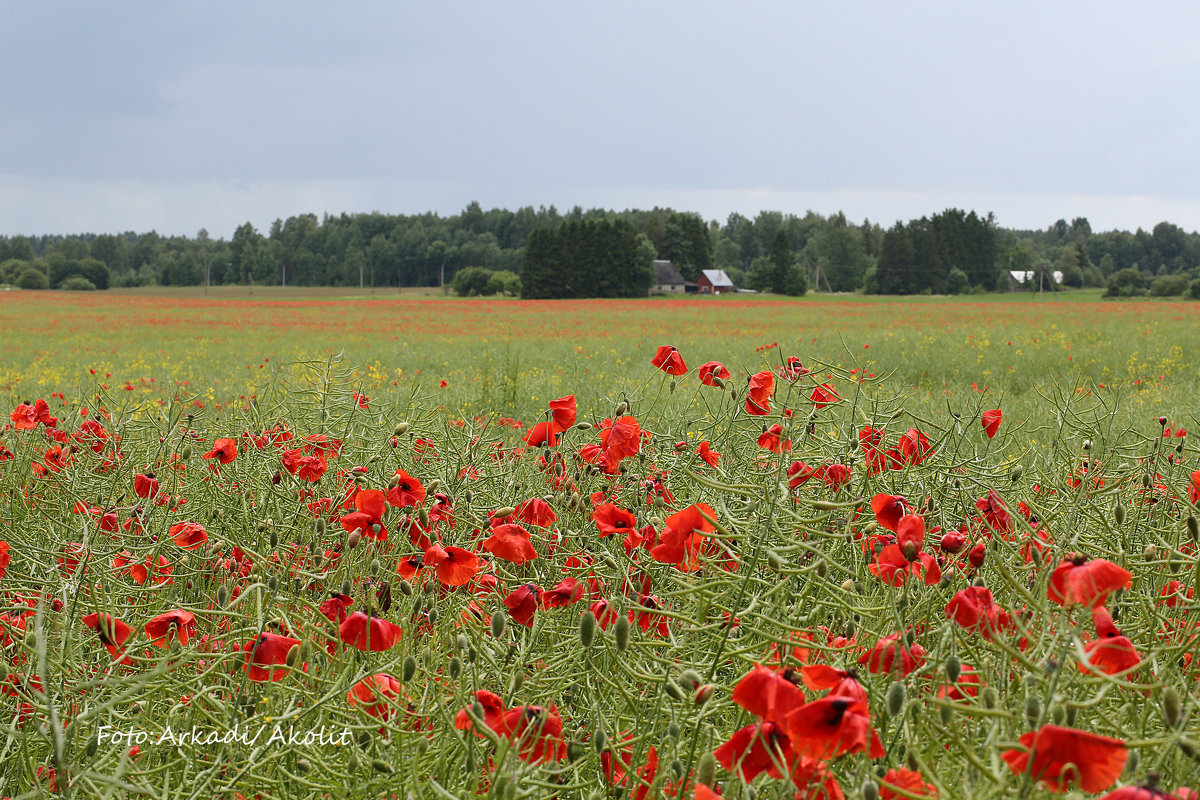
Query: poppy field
x,y
739,548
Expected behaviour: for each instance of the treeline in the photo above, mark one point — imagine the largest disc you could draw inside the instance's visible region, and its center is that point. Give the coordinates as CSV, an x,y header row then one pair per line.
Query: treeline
x,y
544,253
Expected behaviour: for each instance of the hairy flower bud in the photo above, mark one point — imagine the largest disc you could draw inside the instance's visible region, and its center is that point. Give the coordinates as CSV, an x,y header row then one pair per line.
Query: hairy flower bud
x,y
621,634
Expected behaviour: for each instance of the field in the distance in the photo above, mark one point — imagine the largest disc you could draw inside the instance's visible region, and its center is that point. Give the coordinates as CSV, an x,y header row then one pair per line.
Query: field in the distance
x,y
905,548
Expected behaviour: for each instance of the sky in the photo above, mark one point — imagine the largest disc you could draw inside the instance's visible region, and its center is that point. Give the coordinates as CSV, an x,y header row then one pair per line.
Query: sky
x,y
144,115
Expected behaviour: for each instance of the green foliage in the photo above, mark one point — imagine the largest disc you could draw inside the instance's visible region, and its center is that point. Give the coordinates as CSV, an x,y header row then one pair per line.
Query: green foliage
x,y
895,270
1127,282
1169,286
1194,289
11,268
587,258
32,278
503,282
957,282
781,263
471,281
77,283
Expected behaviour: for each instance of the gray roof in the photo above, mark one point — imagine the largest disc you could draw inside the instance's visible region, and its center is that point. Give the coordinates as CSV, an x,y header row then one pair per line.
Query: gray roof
x,y
665,274
717,277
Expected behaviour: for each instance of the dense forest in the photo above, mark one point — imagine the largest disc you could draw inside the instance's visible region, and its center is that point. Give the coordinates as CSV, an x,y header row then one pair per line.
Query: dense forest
x,y
601,253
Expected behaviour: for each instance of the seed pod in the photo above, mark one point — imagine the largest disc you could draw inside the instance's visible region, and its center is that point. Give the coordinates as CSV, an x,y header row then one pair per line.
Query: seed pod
x,y
621,634
774,561
946,714
672,690
293,656
1119,513
1016,473
456,666
599,740
400,429
870,790
354,538
1033,711
990,697
92,745
409,669
587,628
706,769
382,766
499,624
1172,707
895,699
1193,527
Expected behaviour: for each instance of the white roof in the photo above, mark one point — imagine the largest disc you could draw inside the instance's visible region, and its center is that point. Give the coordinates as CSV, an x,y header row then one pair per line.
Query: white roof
x,y
717,277
1020,276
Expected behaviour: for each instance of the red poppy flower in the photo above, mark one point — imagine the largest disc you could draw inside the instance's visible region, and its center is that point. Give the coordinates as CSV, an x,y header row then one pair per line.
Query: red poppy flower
x,y
974,609
405,490
492,716
145,484
305,467
563,413
612,519
511,543
537,732
1062,757
619,440
683,537
1110,652
755,749
831,726
824,395
991,422
707,454
995,512
224,450
541,434
1149,793
914,446
770,440
371,505
767,694
188,535
455,566
966,687
710,370
668,359
908,782
888,508
369,634
522,603
334,607
799,474
835,476
376,695
266,656
179,625
792,369
564,593
891,655
1194,488
839,682
1087,582
535,511
23,417
1172,594
113,633
5,559
762,386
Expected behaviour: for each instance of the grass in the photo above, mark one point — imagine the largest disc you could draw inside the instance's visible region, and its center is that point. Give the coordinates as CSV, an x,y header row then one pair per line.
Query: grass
x,y
776,571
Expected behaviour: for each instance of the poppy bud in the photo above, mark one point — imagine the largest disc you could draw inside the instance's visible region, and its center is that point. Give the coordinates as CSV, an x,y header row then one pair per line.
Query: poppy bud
x,y
1033,711
404,586
1016,473
293,656
409,669
910,551
990,697
1193,527
953,668
354,538
456,666
1119,513
499,624
1172,707
621,634
599,740
622,407
274,539
706,769
187,452
705,693
953,541
501,513
1150,553
977,554
587,628
774,561
689,679
673,731
347,588
895,699
1058,713
4,671
847,585
433,616
870,790
672,690
382,766
92,745
222,596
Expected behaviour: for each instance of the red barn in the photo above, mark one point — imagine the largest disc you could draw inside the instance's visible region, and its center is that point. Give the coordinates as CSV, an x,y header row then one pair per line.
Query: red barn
x,y
713,281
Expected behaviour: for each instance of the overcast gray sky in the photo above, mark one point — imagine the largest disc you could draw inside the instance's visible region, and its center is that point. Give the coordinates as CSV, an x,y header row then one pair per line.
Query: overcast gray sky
x,y
176,116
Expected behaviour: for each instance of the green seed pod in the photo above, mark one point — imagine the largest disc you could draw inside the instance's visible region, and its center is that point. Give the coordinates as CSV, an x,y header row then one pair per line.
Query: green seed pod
x,y
621,634
576,751
518,681
1119,513
382,766
456,667
946,713
303,766
1033,711
599,740
895,699
1193,527
1016,473
672,689
186,453
690,680
774,561
870,790
319,526
990,697
1172,707
222,596
587,628
1058,713
499,624
410,669
93,744
706,769
404,586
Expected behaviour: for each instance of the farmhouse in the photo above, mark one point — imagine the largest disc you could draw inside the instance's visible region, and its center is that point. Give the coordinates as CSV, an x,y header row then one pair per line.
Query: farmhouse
x,y
668,279
713,281
1020,279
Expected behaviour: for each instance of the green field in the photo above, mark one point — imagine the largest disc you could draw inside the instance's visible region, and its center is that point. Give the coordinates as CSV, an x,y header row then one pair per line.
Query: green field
x,y
869,593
